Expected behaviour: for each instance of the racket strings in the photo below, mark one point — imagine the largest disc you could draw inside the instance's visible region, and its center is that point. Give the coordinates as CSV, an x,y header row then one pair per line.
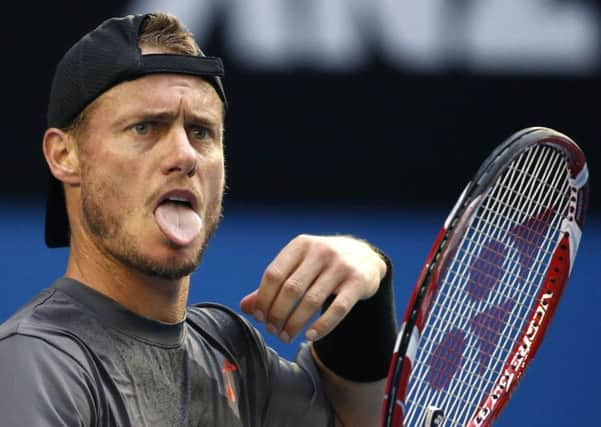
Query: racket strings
x,y
512,329
465,318
488,288
488,317
483,326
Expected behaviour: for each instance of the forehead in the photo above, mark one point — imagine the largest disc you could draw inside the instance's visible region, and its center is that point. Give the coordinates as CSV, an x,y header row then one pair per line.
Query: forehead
x,y
163,91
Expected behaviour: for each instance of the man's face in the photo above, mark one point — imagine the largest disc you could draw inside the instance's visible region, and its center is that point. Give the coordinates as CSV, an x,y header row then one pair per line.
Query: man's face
x,y
152,173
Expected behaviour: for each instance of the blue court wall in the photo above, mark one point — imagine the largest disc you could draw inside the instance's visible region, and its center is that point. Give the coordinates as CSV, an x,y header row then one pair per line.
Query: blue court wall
x,y
561,388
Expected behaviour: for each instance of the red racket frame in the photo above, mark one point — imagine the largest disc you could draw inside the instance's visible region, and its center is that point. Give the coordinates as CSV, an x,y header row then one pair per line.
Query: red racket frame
x,y
548,297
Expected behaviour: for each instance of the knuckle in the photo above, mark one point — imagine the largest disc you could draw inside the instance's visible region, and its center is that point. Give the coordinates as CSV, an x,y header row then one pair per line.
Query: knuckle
x,y
275,319
314,300
303,239
341,306
292,328
345,270
316,244
356,280
293,288
346,267
324,252
273,274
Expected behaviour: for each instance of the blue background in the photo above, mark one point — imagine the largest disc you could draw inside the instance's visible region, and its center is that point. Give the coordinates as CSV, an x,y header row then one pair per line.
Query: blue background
x,y
303,131
562,387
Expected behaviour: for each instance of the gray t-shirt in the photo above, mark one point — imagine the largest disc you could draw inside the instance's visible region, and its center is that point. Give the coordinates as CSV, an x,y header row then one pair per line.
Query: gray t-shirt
x,y
73,357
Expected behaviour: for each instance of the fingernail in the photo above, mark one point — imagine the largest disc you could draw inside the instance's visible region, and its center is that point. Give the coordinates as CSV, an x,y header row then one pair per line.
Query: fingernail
x,y
271,329
259,315
311,334
284,337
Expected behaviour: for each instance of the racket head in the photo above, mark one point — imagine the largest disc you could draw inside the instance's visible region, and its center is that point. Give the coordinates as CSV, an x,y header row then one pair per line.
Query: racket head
x,y
531,192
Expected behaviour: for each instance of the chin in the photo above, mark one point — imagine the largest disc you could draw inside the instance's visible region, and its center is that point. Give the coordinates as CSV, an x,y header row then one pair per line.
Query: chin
x,y
170,267
180,257
166,261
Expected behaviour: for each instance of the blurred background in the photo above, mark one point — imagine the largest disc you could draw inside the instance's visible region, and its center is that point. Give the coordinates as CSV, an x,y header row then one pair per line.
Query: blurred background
x,y
347,116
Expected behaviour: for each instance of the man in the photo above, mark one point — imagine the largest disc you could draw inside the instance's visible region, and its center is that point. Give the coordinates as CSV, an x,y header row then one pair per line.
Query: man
x,y
135,149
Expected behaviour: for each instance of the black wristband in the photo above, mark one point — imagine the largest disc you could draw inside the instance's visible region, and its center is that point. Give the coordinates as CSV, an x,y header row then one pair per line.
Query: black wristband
x,y
360,347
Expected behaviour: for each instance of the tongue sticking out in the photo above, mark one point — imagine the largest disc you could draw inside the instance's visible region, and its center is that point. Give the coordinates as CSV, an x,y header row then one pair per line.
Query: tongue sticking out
x,y
179,223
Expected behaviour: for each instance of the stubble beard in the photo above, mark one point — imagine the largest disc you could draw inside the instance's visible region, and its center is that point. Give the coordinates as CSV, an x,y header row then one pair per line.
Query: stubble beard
x,y
107,230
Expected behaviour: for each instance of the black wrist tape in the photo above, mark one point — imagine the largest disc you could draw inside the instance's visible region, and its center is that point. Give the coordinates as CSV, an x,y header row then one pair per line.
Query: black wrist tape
x,y
360,347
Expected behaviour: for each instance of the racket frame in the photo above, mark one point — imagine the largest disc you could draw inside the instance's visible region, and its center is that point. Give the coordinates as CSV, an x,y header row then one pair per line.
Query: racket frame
x,y
421,299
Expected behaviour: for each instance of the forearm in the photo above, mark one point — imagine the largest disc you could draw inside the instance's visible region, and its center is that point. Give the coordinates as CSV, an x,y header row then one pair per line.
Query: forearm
x,y
354,358
355,404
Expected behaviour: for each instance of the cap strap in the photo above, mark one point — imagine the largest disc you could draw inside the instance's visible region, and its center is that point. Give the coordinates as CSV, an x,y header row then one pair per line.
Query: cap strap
x,y
203,66
186,64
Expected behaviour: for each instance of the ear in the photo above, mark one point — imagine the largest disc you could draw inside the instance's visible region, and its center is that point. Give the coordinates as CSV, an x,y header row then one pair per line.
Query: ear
x,y
61,155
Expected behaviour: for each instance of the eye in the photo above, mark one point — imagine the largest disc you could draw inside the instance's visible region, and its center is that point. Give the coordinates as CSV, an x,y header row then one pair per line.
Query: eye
x,y
141,128
200,132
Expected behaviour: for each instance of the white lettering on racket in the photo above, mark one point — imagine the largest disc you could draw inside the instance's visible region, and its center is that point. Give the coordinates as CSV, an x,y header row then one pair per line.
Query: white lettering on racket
x,y
517,362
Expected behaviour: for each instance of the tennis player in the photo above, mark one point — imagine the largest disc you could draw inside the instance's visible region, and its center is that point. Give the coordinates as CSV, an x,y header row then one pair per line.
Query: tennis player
x,y
135,149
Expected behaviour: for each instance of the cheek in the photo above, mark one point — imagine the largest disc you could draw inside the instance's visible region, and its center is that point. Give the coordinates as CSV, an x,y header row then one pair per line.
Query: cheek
x,y
213,181
112,185
103,190
214,173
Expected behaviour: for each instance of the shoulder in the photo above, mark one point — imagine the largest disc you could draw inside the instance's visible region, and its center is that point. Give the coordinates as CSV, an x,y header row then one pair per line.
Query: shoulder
x,y
279,388
227,328
41,327
44,383
238,341
25,313
26,353
217,317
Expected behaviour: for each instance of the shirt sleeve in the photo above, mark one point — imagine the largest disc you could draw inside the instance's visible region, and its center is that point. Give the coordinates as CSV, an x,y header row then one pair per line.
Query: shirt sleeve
x,y
296,397
279,392
292,395
42,386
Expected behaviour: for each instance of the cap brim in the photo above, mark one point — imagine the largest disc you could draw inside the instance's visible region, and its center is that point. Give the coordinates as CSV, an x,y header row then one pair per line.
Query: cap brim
x,y
57,223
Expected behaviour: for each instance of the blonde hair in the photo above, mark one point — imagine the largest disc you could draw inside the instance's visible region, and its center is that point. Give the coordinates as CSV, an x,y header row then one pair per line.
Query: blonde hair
x,y
165,31
157,30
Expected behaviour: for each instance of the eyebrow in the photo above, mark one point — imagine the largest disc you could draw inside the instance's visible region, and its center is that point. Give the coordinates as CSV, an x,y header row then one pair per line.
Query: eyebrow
x,y
206,119
167,116
144,115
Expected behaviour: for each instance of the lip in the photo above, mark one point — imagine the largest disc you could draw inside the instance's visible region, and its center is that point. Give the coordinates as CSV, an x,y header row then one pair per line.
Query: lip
x,y
180,193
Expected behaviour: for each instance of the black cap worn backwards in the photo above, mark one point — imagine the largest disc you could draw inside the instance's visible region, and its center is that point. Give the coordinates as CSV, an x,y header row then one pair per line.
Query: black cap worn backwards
x,y
103,58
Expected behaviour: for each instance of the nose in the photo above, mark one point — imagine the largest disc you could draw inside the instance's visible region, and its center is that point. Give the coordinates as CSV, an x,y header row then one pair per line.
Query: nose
x,y
180,156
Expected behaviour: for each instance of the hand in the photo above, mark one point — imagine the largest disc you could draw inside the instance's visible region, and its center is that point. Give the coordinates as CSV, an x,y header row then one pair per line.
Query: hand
x,y
307,271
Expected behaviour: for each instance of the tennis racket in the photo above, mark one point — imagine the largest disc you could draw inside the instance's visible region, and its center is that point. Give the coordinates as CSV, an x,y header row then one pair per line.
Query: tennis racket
x,y
490,285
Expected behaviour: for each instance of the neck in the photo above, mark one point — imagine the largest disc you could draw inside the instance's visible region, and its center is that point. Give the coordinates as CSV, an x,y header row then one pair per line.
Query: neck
x,y
151,297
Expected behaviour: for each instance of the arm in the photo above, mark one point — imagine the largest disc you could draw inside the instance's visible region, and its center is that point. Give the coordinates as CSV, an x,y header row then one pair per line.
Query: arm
x,y
354,403
42,386
354,337
354,358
